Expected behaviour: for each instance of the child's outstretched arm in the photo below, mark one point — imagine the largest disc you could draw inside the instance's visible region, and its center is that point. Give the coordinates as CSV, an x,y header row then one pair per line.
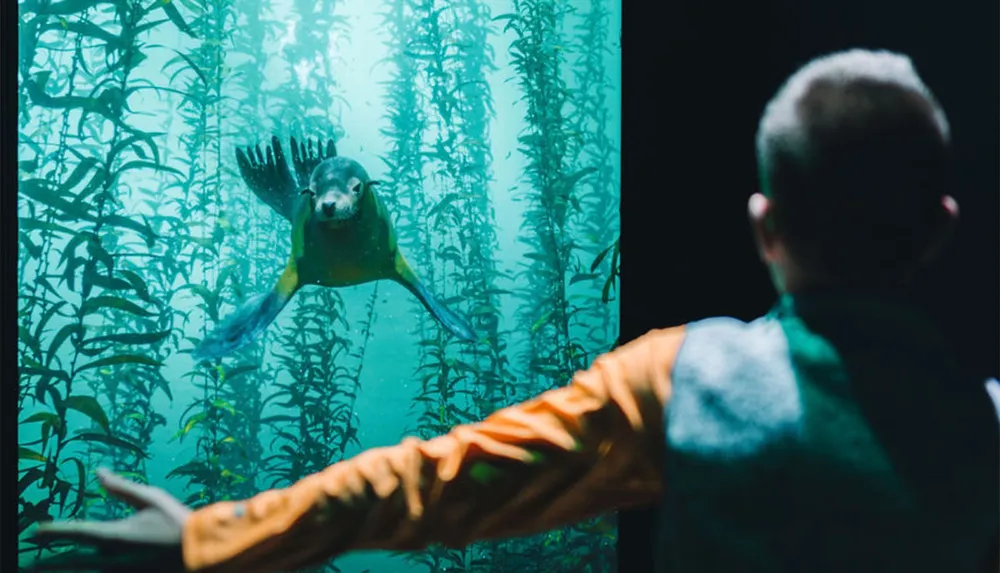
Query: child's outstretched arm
x,y
571,453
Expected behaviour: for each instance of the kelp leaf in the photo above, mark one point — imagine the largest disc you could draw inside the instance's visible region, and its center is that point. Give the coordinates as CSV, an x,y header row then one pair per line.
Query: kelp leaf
x,y
97,303
81,238
127,223
606,291
191,423
33,224
583,277
64,8
211,299
81,476
26,454
130,338
110,440
141,290
78,174
41,191
162,384
224,405
31,476
93,278
569,181
600,258
195,469
47,316
175,16
146,27
194,67
86,29
47,417
25,337
240,370
88,406
44,373
147,165
34,250
60,337
121,359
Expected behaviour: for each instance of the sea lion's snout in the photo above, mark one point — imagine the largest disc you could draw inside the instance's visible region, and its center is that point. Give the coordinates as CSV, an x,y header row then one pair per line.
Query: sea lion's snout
x,y
338,202
336,206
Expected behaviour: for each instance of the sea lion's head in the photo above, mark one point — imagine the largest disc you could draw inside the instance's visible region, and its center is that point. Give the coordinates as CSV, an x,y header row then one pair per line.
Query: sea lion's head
x,y
338,185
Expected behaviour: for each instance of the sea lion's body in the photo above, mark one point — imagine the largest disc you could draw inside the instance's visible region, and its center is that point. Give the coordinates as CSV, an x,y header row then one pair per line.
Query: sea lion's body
x,y
361,251
342,235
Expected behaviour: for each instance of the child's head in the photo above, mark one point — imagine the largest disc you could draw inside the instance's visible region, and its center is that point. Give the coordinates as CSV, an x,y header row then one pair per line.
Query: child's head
x,y
853,154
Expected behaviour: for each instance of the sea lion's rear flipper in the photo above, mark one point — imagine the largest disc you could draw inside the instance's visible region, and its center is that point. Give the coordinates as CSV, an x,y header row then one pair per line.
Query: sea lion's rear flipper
x,y
268,176
449,319
307,155
256,314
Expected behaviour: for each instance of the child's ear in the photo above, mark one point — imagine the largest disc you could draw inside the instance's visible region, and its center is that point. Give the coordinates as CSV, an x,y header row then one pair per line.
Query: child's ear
x,y
947,221
761,217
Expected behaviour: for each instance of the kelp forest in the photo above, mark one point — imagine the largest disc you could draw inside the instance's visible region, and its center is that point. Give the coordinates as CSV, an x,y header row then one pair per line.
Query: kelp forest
x,y
492,128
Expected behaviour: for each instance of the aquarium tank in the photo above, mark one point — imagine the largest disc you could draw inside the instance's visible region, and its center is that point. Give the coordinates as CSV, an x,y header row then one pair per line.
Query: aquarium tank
x,y
493,129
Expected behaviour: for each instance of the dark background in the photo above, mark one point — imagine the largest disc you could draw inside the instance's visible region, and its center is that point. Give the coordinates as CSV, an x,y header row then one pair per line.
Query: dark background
x,y
696,76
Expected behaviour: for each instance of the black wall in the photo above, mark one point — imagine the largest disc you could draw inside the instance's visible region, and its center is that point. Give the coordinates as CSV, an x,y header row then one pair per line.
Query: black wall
x,y
696,76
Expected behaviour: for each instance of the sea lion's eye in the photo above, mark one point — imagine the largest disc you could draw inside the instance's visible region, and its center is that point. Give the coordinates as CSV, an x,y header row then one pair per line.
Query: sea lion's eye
x,y
356,188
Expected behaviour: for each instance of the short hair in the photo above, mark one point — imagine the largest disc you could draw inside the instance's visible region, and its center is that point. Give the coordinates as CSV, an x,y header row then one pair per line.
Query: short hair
x,y
854,153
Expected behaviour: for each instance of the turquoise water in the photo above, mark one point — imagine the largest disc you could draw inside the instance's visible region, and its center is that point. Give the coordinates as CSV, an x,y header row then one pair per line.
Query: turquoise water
x,y
493,127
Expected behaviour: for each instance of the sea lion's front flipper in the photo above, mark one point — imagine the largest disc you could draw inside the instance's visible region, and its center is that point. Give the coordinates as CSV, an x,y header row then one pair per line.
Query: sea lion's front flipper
x,y
268,176
250,320
307,155
256,314
448,318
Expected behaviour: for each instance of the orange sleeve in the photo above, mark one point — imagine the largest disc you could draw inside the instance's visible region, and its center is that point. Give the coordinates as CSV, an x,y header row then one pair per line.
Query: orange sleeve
x,y
571,453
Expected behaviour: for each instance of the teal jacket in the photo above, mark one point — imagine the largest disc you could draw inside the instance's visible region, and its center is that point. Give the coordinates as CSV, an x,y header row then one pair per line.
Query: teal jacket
x,y
836,433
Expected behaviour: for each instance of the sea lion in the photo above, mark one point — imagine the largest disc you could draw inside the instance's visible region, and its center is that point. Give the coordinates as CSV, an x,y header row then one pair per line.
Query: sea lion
x,y
341,236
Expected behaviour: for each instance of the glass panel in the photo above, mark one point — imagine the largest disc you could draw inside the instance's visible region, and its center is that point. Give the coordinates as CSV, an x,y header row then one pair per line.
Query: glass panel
x,y
493,130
